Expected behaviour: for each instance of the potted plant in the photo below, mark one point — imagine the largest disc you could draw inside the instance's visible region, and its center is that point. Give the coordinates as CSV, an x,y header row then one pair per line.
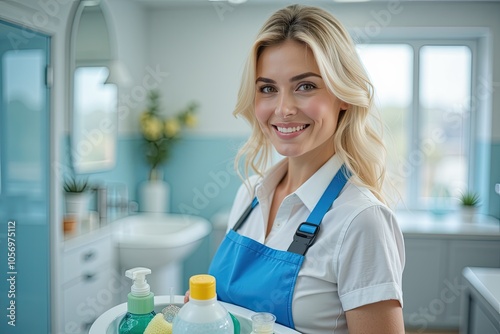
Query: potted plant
x,y
77,194
159,133
469,201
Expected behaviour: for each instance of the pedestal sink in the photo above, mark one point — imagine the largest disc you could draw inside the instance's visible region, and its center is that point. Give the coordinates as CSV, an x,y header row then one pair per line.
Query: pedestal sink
x,y
159,242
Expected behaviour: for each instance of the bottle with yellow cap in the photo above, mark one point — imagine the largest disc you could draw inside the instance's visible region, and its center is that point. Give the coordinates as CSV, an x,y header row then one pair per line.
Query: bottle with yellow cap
x,y
203,314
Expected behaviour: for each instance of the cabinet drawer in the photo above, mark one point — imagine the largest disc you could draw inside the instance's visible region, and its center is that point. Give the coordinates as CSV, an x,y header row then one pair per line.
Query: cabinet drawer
x,y
84,260
85,300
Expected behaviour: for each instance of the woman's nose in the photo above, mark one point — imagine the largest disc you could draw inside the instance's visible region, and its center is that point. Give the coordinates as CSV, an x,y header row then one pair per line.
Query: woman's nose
x,y
286,106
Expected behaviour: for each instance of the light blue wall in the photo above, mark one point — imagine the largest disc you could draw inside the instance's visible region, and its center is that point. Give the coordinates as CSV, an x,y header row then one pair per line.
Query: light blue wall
x,y
202,182
200,174
494,198
486,175
202,179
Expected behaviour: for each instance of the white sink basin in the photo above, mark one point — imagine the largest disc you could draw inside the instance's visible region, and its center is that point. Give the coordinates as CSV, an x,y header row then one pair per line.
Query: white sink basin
x,y
151,239
159,242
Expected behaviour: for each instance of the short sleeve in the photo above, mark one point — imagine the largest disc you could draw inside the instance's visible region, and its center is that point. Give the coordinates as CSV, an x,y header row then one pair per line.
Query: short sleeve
x,y
371,259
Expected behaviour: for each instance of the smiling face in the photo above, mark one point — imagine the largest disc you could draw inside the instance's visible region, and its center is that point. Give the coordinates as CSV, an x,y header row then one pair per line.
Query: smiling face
x,y
293,106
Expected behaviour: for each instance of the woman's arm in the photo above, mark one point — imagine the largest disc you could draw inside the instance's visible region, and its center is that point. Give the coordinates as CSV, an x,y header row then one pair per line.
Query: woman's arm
x,y
385,317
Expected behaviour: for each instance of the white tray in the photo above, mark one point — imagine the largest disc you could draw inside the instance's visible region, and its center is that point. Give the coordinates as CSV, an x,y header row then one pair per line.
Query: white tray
x,y
108,322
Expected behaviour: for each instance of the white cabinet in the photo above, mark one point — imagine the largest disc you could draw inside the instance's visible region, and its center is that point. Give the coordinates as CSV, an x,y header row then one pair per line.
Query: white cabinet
x,y
90,284
480,311
421,280
436,254
466,253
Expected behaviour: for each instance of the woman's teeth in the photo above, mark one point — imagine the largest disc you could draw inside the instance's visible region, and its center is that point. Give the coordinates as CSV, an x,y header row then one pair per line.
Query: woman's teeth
x,y
292,129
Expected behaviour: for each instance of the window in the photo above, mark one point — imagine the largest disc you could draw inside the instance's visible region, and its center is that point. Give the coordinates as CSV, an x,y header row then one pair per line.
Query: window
x,y
423,95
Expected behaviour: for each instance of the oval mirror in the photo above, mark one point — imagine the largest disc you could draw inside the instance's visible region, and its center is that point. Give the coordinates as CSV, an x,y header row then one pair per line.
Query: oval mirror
x,y
94,96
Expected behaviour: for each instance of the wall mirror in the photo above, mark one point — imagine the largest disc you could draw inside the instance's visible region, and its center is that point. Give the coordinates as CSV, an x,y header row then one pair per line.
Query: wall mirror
x,y
94,95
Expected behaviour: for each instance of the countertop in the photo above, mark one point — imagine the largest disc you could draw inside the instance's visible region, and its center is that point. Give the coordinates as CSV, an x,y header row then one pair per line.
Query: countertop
x,y
487,283
85,235
423,223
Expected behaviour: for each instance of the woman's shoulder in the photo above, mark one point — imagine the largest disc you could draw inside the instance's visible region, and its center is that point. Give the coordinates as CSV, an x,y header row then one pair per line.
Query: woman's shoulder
x,y
360,203
358,195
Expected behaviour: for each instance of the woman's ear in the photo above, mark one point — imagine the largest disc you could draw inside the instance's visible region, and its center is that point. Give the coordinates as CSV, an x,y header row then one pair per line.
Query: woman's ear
x,y
344,105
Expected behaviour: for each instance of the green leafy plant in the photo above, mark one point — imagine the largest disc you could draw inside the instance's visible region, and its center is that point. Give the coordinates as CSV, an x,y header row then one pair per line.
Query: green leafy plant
x,y
469,198
160,132
74,185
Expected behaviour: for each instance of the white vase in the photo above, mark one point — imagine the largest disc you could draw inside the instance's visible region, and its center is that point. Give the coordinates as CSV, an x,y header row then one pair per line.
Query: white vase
x,y
77,204
467,214
154,196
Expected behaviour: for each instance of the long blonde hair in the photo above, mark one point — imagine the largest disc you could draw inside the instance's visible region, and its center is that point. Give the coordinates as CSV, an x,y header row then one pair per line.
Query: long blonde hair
x,y
356,141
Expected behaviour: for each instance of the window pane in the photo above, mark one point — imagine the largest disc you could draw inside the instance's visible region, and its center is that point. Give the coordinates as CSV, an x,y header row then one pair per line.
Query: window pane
x,y
445,88
390,67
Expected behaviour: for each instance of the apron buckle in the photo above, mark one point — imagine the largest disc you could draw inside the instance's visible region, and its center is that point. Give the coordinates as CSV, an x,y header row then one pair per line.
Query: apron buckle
x,y
304,238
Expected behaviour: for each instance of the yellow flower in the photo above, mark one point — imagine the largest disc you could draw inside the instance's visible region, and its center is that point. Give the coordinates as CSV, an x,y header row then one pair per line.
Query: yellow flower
x,y
172,127
191,120
151,127
145,115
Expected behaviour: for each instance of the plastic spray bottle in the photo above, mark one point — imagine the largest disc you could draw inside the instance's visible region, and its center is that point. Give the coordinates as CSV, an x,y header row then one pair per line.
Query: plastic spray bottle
x,y
140,303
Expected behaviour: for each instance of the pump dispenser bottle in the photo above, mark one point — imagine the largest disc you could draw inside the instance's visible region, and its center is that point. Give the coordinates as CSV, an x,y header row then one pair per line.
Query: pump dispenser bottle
x,y
140,303
203,314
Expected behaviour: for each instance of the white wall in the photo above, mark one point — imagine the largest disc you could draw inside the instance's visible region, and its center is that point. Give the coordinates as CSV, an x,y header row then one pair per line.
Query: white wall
x,y
131,29
203,47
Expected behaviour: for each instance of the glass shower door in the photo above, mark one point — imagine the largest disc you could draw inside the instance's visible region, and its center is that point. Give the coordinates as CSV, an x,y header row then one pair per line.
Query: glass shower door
x,y
24,181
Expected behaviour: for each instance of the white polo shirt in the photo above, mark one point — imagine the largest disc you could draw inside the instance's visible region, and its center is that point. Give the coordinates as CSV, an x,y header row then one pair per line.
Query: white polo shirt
x,y
358,256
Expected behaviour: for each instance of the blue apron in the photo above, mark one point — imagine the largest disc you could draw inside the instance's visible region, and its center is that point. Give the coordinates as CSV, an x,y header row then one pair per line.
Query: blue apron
x,y
262,279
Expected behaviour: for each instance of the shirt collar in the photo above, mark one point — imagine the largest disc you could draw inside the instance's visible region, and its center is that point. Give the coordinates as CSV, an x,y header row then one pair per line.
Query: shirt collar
x,y
310,191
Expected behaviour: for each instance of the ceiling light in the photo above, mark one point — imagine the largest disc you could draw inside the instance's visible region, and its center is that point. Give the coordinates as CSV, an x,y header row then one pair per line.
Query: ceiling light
x,y
236,2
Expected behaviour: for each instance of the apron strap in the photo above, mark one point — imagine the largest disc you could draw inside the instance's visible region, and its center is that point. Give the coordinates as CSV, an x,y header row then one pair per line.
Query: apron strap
x,y
245,214
306,232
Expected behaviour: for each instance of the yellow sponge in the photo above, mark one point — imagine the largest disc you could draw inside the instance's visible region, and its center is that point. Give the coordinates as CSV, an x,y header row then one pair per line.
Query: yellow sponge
x,y
158,325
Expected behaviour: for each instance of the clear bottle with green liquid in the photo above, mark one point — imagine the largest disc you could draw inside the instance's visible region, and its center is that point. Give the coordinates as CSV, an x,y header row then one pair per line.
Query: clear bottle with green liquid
x,y
140,303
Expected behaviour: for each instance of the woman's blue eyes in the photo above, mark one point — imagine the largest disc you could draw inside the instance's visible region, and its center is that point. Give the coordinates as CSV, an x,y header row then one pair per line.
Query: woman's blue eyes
x,y
306,86
267,89
301,87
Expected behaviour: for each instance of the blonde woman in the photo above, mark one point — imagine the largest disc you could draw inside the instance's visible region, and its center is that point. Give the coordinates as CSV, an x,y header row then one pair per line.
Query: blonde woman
x,y
311,239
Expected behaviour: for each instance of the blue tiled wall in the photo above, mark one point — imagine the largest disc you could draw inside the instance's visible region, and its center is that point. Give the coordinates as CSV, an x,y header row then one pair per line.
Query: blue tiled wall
x,y
202,182
202,179
200,174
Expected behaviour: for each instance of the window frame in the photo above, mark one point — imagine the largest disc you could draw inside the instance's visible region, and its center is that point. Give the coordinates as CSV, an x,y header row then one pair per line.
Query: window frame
x,y
412,198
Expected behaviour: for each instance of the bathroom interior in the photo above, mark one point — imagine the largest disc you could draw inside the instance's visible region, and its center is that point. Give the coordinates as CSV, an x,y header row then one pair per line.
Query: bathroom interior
x,y
78,76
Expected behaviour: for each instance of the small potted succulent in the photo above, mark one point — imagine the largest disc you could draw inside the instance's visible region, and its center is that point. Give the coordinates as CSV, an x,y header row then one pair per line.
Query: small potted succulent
x,y
469,201
77,195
